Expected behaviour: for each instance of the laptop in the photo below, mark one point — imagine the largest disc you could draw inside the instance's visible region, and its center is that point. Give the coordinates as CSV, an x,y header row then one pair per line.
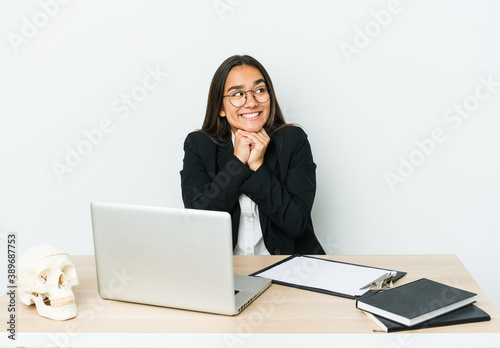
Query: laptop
x,y
180,258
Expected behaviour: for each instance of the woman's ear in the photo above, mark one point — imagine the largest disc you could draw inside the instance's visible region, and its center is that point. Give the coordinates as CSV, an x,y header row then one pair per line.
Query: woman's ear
x,y
222,113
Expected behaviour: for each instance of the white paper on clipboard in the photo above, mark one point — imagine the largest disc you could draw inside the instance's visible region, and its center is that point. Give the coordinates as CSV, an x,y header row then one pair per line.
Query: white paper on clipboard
x,y
316,273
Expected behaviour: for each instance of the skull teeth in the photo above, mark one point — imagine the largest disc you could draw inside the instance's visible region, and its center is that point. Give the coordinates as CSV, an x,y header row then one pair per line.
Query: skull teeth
x,y
63,301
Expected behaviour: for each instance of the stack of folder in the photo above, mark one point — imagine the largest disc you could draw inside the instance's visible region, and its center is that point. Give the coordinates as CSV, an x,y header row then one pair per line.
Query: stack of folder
x,y
421,304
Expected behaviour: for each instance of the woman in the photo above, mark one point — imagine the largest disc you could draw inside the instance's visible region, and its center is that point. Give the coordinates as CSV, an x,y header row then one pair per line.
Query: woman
x,y
246,160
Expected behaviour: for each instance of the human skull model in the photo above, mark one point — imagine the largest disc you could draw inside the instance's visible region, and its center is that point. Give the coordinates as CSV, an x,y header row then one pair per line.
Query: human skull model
x,y
46,276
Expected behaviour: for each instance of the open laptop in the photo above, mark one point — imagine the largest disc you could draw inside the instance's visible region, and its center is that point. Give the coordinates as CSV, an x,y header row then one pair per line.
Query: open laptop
x,y
170,257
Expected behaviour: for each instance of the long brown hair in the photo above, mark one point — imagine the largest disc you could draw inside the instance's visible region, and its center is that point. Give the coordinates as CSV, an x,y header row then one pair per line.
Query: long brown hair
x,y
216,126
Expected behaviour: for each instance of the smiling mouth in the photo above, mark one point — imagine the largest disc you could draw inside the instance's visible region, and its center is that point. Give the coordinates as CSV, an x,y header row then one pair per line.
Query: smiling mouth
x,y
251,115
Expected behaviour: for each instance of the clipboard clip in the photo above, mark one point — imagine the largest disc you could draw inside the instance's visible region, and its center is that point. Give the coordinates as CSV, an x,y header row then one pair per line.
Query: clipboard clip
x,y
383,282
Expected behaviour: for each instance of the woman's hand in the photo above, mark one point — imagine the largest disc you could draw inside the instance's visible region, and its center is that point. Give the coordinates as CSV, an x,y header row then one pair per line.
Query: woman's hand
x,y
242,147
258,142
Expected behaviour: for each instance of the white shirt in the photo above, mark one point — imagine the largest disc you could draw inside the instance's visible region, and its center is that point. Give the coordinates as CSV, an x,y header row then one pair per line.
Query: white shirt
x,y
250,240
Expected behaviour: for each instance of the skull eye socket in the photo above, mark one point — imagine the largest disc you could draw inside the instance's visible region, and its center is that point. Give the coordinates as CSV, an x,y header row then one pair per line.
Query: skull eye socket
x,y
42,278
62,281
69,274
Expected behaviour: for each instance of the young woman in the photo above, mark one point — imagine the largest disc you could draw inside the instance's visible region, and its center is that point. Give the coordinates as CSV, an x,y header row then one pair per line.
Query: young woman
x,y
246,160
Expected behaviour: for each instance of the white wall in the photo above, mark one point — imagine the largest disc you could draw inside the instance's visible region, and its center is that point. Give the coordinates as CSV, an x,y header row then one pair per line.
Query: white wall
x,y
365,101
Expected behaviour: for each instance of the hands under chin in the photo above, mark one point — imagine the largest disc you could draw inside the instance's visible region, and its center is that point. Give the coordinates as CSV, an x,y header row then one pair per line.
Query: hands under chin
x,y
250,147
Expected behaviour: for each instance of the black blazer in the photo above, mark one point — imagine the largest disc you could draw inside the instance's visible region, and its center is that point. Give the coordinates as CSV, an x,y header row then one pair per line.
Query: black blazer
x,y
283,187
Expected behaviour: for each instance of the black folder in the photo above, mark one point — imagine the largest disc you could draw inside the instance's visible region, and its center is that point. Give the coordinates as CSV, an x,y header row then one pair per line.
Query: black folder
x,y
398,275
467,314
416,302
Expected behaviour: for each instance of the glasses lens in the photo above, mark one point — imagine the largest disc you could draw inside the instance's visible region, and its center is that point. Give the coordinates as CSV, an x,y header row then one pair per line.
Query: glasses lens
x,y
237,98
261,94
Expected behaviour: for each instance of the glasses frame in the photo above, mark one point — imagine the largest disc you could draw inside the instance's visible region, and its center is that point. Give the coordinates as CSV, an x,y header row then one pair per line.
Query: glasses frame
x,y
253,95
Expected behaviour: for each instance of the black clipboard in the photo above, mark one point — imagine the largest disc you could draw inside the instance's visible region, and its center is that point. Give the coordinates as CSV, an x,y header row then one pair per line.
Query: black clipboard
x,y
398,275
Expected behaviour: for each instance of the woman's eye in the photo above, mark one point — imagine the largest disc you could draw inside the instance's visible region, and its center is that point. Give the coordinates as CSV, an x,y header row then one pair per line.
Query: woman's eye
x,y
260,90
238,94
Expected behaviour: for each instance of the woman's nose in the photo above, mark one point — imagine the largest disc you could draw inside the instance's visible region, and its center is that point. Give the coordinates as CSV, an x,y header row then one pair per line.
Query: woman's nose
x,y
250,100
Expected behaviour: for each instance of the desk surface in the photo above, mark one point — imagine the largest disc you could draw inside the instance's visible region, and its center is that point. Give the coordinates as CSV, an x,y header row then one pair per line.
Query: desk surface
x,y
281,317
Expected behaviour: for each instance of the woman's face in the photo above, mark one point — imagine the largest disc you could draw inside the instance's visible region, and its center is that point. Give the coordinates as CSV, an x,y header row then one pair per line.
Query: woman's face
x,y
252,115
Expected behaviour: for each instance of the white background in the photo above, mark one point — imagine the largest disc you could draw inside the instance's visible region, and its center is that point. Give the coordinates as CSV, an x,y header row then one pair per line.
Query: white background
x,y
63,69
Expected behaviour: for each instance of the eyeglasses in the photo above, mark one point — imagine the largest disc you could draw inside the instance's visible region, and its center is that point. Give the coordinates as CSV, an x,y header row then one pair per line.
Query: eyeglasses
x,y
239,98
